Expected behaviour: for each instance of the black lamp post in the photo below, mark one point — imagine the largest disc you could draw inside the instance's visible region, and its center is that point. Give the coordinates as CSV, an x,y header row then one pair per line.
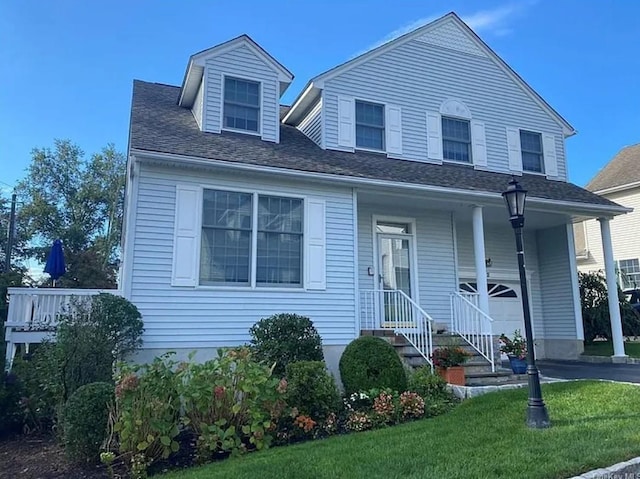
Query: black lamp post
x,y
537,415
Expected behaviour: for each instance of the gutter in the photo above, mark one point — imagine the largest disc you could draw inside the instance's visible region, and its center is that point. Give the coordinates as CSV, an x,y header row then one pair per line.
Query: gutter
x,y
616,189
604,210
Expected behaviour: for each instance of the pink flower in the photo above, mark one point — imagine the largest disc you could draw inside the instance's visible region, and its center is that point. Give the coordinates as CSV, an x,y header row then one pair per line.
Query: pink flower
x,y
219,391
282,386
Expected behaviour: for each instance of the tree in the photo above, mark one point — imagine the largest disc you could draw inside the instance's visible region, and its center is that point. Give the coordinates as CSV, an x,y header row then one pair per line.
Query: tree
x,y
80,202
19,238
595,308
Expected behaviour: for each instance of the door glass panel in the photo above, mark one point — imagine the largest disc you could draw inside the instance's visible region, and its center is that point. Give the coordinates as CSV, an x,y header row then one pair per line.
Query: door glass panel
x,y
395,274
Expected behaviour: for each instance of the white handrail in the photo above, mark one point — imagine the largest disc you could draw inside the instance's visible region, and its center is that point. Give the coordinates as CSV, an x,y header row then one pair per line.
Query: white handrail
x,y
473,325
395,310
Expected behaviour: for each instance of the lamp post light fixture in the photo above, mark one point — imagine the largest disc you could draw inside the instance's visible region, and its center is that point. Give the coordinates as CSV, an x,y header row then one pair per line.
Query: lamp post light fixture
x,y
537,415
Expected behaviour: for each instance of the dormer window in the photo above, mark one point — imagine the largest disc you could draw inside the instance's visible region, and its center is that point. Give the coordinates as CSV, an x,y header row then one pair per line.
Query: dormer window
x,y
456,140
241,104
369,125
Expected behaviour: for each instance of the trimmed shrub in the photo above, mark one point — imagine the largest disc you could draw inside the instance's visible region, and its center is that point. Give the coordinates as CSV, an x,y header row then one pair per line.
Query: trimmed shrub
x,y
369,362
311,389
86,416
285,338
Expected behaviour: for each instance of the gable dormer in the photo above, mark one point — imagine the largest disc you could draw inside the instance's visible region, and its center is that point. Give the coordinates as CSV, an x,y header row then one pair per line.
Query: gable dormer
x,y
236,86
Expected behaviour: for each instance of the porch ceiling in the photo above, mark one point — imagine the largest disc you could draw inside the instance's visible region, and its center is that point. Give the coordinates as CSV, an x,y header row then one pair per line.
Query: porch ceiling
x,y
495,212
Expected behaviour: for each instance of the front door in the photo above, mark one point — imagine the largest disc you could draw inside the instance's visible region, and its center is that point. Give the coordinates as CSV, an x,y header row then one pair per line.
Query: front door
x,y
394,273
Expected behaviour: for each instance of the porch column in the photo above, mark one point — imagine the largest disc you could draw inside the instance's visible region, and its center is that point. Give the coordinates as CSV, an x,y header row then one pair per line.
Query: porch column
x,y
479,255
612,289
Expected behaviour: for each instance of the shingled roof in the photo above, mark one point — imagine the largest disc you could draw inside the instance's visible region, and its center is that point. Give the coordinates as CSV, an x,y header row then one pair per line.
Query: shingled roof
x,y
158,124
623,169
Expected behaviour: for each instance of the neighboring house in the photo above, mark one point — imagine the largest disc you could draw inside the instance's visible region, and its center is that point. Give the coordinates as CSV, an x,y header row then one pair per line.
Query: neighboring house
x,y
618,181
373,202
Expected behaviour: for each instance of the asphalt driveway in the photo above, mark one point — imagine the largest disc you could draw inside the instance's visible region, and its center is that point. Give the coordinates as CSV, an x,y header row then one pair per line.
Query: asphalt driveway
x,y
581,370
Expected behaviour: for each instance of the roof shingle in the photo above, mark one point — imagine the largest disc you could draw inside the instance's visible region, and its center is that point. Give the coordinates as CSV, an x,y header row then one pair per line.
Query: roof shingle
x,y
623,169
158,124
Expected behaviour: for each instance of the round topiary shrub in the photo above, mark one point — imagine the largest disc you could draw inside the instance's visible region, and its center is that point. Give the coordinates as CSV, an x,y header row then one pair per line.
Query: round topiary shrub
x,y
85,416
369,362
285,338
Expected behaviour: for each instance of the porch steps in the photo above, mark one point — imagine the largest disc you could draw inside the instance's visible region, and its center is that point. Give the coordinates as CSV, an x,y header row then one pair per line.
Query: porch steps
x,y
477,369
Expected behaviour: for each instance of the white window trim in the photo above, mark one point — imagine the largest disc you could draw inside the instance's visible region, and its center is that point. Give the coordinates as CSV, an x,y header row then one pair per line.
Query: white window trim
x,y
357,99
252,286
414,246
529,172
260,113
459,118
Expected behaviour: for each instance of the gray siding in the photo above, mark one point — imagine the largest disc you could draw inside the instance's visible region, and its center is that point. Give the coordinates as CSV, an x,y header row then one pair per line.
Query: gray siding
x,y
555,283
312,124
418,77
500,246
435,255
180,317
198,105
242,63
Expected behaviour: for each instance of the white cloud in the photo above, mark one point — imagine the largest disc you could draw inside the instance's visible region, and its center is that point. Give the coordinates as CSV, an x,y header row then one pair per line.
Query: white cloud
x,y
494,21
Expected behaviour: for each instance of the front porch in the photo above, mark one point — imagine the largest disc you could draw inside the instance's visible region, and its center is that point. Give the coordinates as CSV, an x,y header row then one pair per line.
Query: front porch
x,y
438,263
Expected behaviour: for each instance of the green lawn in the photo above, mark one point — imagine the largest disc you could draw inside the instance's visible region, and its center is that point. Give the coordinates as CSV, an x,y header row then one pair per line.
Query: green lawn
x,y
605,348
595,424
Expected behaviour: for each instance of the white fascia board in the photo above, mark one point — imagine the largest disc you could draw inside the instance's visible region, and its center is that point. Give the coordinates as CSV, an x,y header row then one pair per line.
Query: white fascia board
x,y
538,204
306,98
616,189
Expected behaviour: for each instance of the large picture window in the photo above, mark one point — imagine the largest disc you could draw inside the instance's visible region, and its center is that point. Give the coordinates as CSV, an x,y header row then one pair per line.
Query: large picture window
x,y
227,248
241,104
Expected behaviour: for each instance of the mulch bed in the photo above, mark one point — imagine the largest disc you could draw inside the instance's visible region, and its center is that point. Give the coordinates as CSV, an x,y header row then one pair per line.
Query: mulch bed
x,y
40,457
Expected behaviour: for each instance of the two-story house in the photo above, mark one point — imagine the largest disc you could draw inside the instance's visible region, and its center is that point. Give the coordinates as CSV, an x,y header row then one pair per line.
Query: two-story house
x,y
618,181
374,201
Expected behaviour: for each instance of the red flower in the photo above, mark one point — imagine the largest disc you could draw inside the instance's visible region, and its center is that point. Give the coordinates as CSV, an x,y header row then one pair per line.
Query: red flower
x,y
219,391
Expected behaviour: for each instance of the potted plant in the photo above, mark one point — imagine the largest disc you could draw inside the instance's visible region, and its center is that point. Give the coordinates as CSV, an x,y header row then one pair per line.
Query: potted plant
x,y
516,351
448,361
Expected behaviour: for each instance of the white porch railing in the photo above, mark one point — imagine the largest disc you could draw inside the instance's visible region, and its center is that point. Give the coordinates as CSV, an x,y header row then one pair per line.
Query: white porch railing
x,y
473,324
394,310
34,312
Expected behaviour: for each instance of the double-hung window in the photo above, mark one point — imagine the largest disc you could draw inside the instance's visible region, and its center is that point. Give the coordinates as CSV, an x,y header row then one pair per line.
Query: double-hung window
x,y
531,147
234,237
369,125
630,273
456,140
241,104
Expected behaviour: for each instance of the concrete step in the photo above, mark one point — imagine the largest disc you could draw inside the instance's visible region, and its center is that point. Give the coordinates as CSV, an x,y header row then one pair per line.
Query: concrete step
x,y
501,376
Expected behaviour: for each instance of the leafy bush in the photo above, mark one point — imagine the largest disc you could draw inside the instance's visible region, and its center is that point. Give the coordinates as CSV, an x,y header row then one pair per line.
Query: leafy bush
x,y
85,417
311,389
449,356
433,389
91,335
369,362
230,402
147,412
38,372
285,338
595,308
10,411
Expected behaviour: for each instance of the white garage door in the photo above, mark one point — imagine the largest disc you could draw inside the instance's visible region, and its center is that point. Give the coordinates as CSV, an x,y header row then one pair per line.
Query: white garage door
x,y
504,306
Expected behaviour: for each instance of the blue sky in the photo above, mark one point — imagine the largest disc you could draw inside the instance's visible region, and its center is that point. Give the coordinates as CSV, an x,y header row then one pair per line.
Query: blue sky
x,y
68,66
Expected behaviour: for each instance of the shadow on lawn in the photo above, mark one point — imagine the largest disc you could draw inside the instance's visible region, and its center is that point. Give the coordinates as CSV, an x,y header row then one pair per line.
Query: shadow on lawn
x,y
591,419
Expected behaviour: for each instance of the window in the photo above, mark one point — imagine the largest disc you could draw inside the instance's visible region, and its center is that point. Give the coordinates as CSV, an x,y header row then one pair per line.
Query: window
x,y
227,248
369,125
456,140
241,104
531,146
629,270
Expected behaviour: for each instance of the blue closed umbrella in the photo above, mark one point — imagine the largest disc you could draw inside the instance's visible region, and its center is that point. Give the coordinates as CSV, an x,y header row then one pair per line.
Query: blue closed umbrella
x,y
55,262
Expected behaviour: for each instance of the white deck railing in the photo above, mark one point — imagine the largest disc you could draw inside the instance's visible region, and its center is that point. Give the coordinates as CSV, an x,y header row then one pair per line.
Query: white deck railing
x,y
473,324
394,310
34,313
